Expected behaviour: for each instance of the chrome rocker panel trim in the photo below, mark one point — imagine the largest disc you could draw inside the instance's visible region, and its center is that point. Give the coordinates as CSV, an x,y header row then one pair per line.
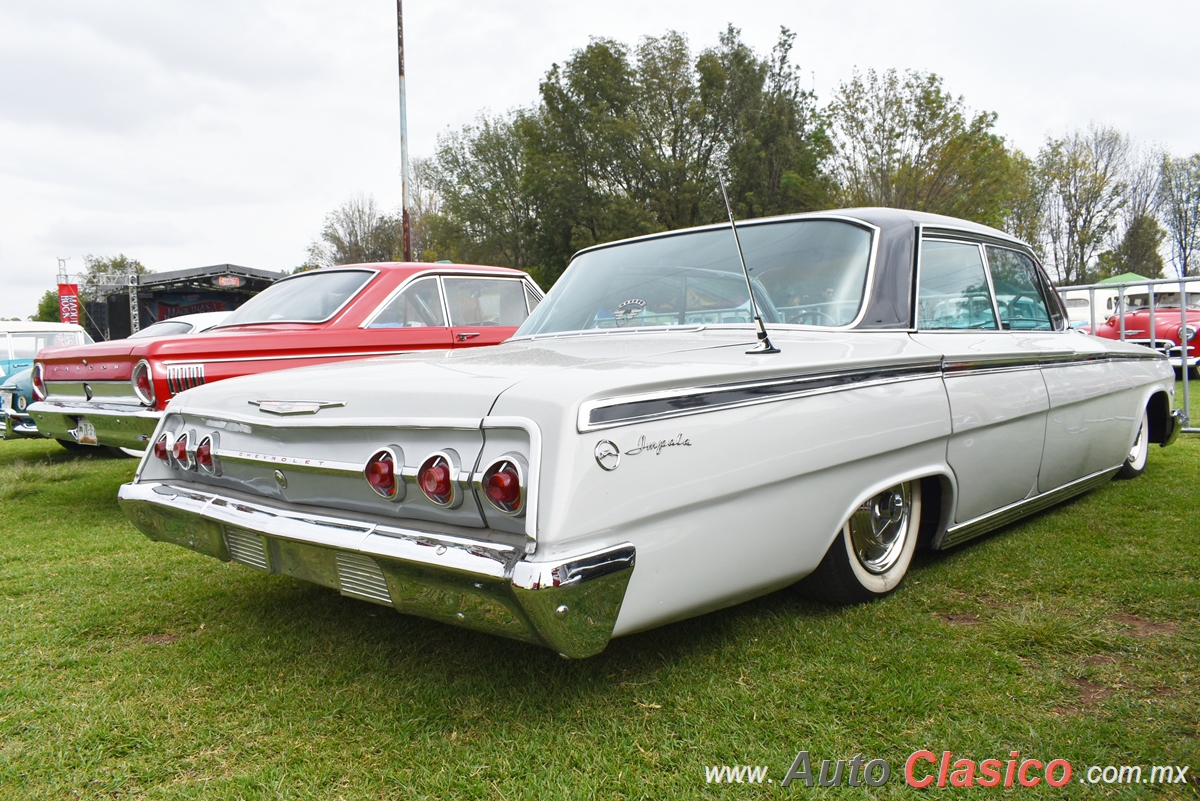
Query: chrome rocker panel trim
x,y
116,424
1013,512
569,605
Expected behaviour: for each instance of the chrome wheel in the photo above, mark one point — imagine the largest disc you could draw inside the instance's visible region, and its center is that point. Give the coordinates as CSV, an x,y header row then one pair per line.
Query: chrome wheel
x,y
879,529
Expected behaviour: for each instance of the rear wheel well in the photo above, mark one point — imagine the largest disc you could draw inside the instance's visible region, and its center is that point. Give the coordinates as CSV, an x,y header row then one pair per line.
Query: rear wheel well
x,y
1158,410
936,494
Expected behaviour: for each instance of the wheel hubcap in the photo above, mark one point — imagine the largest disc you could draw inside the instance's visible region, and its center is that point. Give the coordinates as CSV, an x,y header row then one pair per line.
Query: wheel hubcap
x,y
879,529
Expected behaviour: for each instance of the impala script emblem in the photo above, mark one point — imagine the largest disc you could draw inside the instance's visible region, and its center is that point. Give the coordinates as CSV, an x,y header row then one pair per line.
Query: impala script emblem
x,y
608,455
295,407
656,446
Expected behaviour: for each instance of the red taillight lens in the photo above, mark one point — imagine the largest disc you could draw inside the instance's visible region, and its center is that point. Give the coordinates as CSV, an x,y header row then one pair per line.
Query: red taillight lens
x,y
434,478
160,449
502,486
179,451
204,456
143,386
381,474
39,383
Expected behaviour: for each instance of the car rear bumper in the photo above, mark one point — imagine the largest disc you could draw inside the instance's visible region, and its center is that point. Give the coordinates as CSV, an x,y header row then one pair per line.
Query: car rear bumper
x,y
569,604
118,425
19,426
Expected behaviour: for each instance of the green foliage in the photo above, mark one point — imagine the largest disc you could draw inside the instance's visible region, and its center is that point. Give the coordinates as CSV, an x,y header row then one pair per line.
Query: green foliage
x,y
92,285
48,309
903,141
1137,252
627,142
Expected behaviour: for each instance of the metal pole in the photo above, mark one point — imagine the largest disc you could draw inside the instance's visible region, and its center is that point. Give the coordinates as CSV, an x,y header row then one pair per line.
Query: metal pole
x,y
407,246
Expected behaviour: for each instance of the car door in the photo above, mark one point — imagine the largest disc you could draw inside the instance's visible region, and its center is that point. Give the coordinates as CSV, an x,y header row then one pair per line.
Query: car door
x,y
998,400
1092,402
484,310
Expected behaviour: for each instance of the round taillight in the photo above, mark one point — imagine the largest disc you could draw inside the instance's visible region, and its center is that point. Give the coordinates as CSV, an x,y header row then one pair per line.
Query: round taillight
x,y
143,386
502,486
204,456
435,480
380,473
180,451
39,382
161,452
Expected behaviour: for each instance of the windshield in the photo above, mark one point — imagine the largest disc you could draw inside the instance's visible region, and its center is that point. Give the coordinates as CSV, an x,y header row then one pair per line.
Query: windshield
x,y
308,298
809,272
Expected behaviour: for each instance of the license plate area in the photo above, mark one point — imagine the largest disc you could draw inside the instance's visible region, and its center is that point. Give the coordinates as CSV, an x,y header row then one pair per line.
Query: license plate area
x,y
84,432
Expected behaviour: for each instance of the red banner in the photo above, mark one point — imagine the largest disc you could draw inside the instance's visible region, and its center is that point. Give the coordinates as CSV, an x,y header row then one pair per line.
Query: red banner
x,y
68,303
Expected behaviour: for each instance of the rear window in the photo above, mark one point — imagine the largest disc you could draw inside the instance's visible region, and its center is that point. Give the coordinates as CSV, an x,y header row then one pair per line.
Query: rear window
x,y
306,298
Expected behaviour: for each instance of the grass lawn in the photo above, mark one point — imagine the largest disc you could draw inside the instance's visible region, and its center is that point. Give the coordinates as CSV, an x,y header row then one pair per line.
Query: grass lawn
x,y
132,669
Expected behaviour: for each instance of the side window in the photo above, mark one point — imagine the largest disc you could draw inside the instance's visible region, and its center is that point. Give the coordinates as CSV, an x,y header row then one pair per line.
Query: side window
x,y
418,306
953,290
1019,296
486,301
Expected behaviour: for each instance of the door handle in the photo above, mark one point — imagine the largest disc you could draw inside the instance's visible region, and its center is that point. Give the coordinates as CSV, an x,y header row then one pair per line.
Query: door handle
x,y
465,335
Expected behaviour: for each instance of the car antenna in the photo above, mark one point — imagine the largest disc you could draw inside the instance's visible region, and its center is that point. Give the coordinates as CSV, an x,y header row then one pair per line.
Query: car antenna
x,y
764,342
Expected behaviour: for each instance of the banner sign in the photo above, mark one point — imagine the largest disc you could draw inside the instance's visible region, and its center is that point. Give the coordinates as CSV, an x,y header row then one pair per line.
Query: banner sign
x,y
68,303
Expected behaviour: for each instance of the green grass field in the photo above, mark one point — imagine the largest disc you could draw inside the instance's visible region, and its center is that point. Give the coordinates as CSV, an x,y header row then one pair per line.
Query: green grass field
x,y
132,669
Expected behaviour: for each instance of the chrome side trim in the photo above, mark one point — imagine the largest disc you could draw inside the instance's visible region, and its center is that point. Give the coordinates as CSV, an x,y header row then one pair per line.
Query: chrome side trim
x,y
326,355
962,532
611,412
184,376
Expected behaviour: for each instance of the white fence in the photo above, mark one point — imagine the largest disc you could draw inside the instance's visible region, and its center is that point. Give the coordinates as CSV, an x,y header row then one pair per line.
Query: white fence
x,y
1113,300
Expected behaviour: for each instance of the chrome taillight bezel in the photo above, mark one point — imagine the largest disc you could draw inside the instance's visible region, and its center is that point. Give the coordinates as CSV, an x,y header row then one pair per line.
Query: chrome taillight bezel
x,y
38,380
396,456
147,399
453,498
495,466
188,461
214,468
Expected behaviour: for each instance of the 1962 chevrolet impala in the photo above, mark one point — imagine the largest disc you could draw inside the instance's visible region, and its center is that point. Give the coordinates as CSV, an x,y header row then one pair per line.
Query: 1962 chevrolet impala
x,y
628,459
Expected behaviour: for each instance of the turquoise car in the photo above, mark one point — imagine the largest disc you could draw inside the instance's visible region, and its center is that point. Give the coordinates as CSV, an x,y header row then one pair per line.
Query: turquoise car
x,y
20,341
16,393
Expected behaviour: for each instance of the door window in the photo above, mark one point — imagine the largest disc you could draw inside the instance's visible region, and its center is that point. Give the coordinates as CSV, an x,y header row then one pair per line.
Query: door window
x,y
953,292
1018,296
418,306
486,301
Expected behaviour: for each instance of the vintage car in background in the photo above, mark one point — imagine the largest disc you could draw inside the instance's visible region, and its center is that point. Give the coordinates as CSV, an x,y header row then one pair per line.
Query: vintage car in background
x,y
632,457
16,393
183,324
20,342
1171,329
113,393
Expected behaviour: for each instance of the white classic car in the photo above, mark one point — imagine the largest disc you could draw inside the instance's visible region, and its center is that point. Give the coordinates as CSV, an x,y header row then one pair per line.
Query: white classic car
x,y
632,457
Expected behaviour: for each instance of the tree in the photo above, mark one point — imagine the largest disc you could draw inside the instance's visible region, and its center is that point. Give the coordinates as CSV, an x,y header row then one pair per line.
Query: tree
x,y
1085,178
1137,251
1179,193
357,232
47,309
103,274
1027,206
904,142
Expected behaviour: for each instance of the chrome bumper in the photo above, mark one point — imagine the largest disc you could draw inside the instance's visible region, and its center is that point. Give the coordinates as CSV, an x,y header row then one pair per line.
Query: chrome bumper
x,y
119,425
19,427
569,605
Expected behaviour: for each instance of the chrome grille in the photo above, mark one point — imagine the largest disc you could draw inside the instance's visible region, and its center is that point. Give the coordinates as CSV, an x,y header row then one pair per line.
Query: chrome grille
x,y
247,548
184,376
360,577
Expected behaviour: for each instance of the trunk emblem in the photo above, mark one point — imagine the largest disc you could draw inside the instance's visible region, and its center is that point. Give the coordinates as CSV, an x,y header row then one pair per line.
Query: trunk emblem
x,y
608,455
294,407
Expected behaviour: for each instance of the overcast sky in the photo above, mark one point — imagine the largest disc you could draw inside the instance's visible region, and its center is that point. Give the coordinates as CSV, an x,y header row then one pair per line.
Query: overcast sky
x,y
187,134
